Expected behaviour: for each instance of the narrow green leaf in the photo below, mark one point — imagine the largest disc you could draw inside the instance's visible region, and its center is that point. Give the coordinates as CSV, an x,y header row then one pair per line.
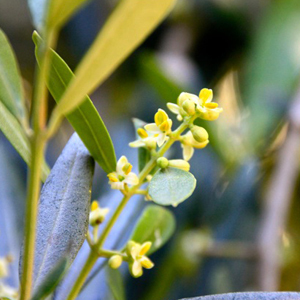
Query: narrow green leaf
x,y
129,25
156,225
115,283
61,10
85,119
171,186
11,90
144,154
52,279
64,209
273,71
17,137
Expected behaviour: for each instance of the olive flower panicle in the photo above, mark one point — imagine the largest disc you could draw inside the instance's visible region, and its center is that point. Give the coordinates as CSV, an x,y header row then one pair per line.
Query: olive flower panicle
x,y
123,175
138,260
161,128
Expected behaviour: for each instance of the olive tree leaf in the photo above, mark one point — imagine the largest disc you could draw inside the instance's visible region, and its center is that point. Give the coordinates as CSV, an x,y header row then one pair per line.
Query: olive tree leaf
x,y
51,280
39,12
171,186
85,119
11,90
64,208
250,296
156,224
17,137
128,26
115,283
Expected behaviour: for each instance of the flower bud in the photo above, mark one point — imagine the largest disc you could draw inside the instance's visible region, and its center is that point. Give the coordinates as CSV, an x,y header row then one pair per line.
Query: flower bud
x,y
189,107
162,162
187,96
199,134
115,261
179,164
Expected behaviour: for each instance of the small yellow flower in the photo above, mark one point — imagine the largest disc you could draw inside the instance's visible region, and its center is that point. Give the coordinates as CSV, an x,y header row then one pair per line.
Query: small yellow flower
x,y
97,214
123,175
161,128
144,141
3,267
139,260
188,143
208,110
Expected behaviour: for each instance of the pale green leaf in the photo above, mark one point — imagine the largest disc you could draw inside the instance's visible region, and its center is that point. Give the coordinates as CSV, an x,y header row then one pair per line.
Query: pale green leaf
x,y
11,90
85,119
61,10
39,9
17,137
156,225
129,25
171,186
115,283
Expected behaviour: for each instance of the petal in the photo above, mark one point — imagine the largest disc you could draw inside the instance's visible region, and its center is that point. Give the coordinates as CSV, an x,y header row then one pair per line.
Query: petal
x,y
137,143
152,127
131,178
121,163
188,152
146,262
160,117
117,185
161,139
174,108
137,269
145,248
206,95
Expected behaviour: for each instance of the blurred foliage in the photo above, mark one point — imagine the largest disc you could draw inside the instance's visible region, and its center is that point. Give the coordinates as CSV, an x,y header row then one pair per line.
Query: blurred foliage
x,y
249,53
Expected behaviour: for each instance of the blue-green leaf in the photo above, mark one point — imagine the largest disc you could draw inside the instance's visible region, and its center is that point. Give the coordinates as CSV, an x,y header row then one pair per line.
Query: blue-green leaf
x,y
64,209
156,225
85,119
171,186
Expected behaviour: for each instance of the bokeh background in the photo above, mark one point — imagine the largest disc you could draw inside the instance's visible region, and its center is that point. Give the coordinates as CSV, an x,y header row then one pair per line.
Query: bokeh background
x,y
241,228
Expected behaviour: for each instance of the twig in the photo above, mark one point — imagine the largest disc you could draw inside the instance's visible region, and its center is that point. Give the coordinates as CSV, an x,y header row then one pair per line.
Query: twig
x,y
277,203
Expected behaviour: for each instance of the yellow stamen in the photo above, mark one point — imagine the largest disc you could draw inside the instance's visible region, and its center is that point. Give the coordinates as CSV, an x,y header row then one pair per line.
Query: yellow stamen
x,y
112,177
127,168
142,133
205,95
160,117
146,263
145,248
211,105
94,205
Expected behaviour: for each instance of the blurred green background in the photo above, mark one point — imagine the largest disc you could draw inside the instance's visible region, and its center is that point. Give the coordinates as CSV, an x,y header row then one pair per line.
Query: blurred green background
x,y
240,229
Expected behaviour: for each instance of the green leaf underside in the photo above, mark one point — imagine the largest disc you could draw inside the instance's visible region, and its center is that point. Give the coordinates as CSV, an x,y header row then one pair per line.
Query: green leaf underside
x,y
17,137
64,209
51,280
11,90
85,119
144,154
115,283
171,186
128,26
156,225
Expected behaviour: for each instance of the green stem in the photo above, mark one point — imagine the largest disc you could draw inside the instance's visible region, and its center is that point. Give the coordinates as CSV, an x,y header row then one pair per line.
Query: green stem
x,y
147,169
38,144
37,150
